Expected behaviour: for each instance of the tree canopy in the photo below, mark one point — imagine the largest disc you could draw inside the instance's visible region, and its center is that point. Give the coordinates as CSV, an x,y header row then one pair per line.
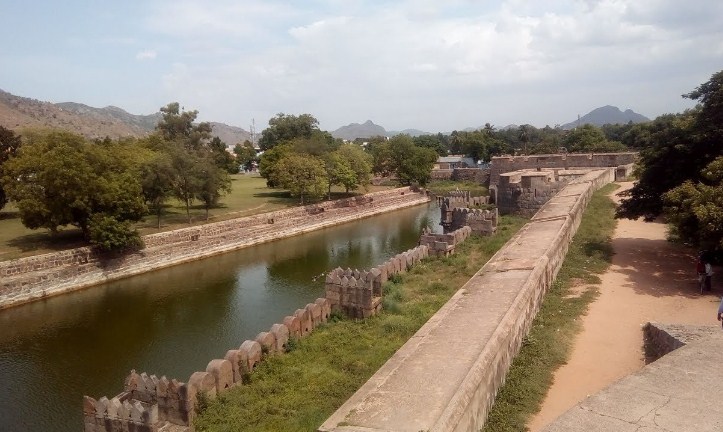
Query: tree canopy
x,y
286,127
59,178
681,169
9,145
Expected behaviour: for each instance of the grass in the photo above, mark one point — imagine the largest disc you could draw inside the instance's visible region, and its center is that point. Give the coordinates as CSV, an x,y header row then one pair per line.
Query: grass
x,y
441,187
299,390
548,345
249,195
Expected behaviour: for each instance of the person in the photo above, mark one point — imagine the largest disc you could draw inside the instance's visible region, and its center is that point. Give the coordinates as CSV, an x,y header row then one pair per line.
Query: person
x,y
708,275
720,311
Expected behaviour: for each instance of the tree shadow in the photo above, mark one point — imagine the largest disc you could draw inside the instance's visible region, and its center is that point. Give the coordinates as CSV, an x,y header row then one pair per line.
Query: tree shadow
x,y
659,268
65,239
7,215
604,250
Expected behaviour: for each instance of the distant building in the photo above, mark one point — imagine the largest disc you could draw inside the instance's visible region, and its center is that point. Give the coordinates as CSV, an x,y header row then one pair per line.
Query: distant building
x,y
454,161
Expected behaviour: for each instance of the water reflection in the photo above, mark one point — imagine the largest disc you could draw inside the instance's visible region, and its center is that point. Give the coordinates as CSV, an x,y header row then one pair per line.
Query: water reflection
x,y
175,320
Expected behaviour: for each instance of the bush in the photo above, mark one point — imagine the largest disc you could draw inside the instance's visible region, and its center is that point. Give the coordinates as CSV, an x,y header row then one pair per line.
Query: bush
x,y
112,235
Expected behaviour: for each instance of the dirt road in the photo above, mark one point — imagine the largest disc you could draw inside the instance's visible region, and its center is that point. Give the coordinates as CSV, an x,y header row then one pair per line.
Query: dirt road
x,y
649,280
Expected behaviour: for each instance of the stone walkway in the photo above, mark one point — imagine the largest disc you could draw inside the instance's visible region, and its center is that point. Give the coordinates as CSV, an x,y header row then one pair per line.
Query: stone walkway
x,y
680,392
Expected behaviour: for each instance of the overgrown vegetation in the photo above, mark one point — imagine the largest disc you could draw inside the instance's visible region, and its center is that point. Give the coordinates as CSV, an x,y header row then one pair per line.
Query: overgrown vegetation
x,y
547,347
299,390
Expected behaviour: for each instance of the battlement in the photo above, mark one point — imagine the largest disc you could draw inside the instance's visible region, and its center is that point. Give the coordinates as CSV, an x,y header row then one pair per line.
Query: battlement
x,y
526,191
505,164
456,213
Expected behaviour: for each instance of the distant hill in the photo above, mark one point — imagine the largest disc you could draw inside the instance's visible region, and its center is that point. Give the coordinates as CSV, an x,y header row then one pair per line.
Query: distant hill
x,y
410,132
355,130
18,112
231,135
607,115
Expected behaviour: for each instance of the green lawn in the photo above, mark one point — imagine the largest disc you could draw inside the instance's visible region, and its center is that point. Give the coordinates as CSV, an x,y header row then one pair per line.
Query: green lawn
x,y
249,196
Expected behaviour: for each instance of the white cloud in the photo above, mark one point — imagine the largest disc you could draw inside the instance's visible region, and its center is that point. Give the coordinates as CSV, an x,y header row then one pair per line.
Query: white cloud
x,y
146,55
437,66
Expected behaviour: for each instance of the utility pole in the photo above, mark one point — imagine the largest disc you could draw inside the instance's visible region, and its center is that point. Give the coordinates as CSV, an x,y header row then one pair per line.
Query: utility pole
x,y
253,132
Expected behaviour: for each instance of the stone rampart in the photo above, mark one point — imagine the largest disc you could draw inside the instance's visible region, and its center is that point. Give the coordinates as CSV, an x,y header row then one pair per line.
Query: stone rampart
x,y
358,294
446,376
40,276
504,164
148,403
525,192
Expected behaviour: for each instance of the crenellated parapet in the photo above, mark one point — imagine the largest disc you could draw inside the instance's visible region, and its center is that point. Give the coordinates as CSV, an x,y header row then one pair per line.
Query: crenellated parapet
x,y
444,244
358,294
482,222
150,404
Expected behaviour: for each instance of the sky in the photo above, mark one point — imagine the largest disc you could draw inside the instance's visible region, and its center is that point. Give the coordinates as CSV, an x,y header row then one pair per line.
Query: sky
x,y
429,65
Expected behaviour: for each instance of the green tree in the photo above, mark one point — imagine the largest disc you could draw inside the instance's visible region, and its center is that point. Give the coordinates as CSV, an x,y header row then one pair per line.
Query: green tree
x,y
157,176
381,153
187,176
411,163
431,141
177,125
695,210
221,157
269,164
214,184
60,179
303,176
360,163
678,149
286,127
245,154
339,171
9,145
590,138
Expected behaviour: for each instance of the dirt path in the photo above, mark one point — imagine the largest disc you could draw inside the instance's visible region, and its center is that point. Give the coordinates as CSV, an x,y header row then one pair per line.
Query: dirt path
x,y
649,280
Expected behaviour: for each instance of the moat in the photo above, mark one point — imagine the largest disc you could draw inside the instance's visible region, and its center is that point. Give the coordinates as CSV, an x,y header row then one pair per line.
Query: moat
x,y
173,321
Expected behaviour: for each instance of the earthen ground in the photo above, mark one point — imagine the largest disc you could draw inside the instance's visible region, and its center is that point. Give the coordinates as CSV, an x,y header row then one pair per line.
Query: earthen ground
x,y
650,279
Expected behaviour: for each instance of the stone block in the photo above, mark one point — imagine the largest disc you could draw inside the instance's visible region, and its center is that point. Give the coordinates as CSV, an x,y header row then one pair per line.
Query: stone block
x,y
325,306
281,335
294,325
267,341
89,406
315,313
305,323
234,358
250,355
201,383
222,372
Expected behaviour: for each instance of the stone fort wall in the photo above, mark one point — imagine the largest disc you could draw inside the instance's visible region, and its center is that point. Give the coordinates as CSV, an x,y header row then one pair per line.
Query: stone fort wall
x,y
504,164
40,276
151,404
446,376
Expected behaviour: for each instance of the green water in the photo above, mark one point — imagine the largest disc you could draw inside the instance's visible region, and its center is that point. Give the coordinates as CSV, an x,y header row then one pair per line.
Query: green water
x,y
173,321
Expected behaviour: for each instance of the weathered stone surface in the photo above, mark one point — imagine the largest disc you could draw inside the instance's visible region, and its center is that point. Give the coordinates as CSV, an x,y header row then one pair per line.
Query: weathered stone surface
x,y
325,307
267,340
237,367
281,336
250,355
222,372
306,324
294,325
201,383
